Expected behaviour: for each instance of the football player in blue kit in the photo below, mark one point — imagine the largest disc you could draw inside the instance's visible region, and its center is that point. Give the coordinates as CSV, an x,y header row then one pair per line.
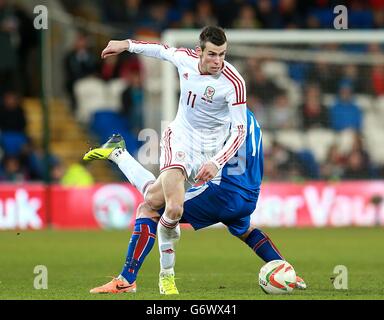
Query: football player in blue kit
x,y
229,198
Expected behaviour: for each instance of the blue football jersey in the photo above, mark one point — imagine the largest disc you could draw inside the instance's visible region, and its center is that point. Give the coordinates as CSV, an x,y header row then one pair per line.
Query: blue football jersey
x,y
244,171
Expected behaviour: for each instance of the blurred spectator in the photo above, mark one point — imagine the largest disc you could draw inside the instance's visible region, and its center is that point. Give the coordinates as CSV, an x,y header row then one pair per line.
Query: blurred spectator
x,y
8,57
358,146
377,79
282,163
324,74
120,66
12,116
356,168
266,14
345,113
18,39
110,68
246,18
155,20
130,64
13,171
77,175
378,19
281,114
356,77
132,102
56,173
314,113
127,12
204,14
255,105
33,159
290,17
312,22
188,20
259,85
333,166
376,75
79,63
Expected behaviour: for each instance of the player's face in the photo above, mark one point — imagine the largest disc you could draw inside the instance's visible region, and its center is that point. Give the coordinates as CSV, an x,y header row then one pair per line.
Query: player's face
x,y
212,57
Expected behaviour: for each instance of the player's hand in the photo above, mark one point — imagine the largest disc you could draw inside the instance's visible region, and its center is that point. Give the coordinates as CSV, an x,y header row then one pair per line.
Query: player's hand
x,y
207,172
114,48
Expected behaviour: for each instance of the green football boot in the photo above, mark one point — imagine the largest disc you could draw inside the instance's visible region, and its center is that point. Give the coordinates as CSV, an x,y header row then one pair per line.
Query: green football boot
x,y
103,152
167,284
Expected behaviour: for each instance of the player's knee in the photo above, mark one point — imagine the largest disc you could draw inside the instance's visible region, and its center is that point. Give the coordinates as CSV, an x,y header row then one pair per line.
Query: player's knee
x,y
174,210
153,201
145,211
245,235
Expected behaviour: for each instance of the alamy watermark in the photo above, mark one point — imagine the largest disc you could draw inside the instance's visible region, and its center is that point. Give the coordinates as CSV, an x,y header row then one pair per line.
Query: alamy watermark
x,y
341,20
340,280
41,17
41,279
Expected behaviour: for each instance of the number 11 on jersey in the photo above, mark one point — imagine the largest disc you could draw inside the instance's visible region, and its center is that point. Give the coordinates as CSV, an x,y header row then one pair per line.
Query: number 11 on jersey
x,y
193,99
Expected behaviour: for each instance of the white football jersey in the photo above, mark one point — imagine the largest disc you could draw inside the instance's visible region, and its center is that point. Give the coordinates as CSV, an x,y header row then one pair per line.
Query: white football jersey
x,y
210,106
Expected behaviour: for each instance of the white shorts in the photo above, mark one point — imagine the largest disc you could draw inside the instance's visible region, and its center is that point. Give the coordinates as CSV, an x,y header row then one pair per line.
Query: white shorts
x,y
179,151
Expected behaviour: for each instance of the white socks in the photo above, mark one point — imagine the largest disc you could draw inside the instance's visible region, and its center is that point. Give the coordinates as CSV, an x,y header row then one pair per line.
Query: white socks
x,y
132,169
168,234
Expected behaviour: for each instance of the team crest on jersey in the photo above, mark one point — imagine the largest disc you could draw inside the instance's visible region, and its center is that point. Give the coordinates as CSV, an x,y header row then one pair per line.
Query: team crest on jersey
x,y
180,155
208,94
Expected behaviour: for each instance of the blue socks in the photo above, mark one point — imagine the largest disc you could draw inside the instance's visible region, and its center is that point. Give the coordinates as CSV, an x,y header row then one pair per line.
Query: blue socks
x,y
141,243
263,246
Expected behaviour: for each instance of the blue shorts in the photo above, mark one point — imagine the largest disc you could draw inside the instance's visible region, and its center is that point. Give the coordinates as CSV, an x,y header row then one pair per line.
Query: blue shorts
x,y
210,204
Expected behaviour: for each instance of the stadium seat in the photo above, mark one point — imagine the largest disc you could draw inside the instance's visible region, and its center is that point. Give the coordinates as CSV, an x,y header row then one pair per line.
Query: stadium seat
x,y
114,93
104,123
292,139
91,95
13,142
275,69
319,141
371,121
364,101
374,139
298,72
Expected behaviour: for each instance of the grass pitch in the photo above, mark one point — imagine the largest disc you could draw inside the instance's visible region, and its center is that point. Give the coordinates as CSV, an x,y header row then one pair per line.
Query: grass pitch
x,y
211,264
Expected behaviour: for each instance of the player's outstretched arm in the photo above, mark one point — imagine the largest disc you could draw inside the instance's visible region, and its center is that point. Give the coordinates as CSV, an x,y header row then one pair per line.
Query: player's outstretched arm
x,y
114,48
149,49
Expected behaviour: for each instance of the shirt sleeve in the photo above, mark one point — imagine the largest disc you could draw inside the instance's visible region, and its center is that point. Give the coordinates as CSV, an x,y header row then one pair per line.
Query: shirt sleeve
x,y
155,50
236,100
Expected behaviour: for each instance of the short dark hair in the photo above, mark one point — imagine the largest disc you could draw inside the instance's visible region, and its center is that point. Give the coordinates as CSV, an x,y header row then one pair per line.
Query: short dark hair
x,y
213,34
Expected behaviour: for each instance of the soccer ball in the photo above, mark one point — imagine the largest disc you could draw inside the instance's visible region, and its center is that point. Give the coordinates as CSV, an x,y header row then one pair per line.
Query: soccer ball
x,y
277,277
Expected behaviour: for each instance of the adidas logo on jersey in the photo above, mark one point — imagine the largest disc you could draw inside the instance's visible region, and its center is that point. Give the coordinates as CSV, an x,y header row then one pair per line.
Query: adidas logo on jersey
x,y
185,75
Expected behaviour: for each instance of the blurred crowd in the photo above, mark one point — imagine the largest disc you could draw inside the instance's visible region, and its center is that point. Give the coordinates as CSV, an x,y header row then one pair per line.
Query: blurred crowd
x,y
153,16
101,90
20,160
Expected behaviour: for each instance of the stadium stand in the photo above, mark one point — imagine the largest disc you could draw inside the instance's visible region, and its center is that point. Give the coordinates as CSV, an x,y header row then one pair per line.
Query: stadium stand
x,y
117,91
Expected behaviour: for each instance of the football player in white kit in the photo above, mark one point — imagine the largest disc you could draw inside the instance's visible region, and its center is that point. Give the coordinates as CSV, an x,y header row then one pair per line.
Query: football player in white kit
x,y
212,110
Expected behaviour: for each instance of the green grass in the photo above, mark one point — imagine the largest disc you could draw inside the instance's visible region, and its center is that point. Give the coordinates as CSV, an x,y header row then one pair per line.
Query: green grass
x,y
211,264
